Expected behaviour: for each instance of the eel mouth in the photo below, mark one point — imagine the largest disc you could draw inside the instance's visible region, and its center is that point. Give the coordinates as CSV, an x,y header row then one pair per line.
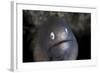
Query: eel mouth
x,y
56,44
57,57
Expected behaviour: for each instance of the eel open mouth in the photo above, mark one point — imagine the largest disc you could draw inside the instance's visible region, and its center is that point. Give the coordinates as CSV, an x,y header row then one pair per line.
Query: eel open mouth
x,y
60,50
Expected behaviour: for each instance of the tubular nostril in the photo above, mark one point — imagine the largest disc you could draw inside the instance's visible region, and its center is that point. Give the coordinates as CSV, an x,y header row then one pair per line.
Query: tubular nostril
x,y
66,30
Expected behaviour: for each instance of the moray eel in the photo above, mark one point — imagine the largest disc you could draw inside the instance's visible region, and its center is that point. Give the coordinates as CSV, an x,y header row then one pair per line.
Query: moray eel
x,y
56,41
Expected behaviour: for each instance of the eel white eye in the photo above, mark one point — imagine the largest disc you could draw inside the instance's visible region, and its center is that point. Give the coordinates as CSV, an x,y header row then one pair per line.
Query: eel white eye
x,y
52,35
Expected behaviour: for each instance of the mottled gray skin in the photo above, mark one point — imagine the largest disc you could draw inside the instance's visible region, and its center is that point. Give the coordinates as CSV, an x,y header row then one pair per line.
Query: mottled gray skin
x,y
57,41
